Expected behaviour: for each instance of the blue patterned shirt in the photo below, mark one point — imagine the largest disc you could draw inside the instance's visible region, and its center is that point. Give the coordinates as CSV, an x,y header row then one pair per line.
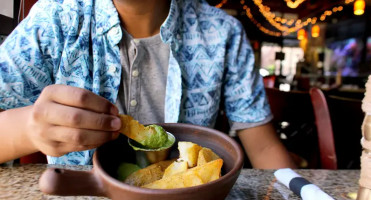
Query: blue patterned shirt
x,y
75,42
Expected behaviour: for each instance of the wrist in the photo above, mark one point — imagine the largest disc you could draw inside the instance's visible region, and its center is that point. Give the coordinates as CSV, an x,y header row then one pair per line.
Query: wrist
x,y
26,130
18,127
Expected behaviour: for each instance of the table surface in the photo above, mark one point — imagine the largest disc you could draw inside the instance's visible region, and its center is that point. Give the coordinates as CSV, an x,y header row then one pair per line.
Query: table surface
x,y
21,182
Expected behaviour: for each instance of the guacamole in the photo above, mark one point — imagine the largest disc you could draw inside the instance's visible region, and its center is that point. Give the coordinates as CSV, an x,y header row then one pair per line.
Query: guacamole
x,y
157,137
125,169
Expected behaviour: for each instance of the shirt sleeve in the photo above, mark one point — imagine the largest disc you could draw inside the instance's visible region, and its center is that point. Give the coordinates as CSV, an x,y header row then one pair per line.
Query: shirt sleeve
x,y
235,126
28,57
245,99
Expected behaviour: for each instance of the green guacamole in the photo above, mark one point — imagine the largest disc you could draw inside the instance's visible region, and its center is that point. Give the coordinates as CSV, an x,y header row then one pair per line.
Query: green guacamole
x,y
157,137
125,169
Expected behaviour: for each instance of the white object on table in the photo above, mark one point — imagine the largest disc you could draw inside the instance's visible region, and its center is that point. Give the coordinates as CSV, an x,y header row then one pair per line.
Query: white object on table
x,y
300,186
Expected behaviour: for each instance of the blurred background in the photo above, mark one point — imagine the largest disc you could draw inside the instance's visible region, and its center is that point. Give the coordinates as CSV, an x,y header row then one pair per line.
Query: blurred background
x,y
319,40
300,45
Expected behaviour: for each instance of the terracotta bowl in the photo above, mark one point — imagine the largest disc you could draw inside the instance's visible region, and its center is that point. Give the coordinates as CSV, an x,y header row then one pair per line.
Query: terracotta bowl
x,y
101,181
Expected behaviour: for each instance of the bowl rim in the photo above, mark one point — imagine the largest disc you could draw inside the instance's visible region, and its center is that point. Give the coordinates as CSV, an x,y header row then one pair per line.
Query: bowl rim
x,y
114,182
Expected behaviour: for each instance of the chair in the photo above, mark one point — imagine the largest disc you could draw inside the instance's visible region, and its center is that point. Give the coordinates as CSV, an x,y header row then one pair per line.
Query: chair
x,y
27,7
324,129
343,118
37,157
294,122
269,81
293,106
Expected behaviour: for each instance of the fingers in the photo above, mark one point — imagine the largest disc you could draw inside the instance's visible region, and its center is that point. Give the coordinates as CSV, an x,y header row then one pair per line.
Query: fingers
x,y
72,117
61,140
57,149
66,119
83,137
78,97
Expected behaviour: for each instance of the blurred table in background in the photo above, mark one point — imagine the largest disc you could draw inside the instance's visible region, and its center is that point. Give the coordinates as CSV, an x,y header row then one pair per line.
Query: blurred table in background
x,y
21,182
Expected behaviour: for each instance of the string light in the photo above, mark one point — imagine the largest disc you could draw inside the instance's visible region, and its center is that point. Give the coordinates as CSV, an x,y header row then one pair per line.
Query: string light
x,y
293,4
298,24
260,27
280,23
221,4
314,20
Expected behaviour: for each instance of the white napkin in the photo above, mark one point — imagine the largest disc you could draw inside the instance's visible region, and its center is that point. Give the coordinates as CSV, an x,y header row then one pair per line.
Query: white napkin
x,y
300,186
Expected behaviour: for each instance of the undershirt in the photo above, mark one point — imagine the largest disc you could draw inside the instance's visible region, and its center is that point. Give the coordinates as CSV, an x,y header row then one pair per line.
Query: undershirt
x,y
144,63
142,89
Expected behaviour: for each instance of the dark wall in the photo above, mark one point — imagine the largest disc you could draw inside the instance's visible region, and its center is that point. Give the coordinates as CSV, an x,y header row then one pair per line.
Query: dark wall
x,y
7,23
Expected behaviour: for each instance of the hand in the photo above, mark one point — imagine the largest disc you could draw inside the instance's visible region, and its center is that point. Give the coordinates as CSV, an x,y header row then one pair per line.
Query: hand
x,y
66,119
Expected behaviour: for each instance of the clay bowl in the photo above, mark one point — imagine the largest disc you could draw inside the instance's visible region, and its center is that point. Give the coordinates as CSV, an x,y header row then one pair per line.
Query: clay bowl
x,y
100,180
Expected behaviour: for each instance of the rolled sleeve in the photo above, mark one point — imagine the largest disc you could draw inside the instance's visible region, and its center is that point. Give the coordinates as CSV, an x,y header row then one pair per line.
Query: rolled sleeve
x,y
27,58
245,99
235,126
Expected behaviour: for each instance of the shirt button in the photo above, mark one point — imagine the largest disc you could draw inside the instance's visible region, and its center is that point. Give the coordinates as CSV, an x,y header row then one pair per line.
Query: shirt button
x,y
115,30
136,41
133,102
135,73
112,69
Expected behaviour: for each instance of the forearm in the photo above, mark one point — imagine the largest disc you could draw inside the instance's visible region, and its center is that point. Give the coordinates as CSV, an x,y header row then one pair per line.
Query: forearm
x,y
14,142
264,148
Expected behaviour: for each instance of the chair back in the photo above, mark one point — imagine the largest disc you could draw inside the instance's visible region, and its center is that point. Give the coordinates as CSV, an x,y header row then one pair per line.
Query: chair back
x,y
269,81
346,117
289,106
326,143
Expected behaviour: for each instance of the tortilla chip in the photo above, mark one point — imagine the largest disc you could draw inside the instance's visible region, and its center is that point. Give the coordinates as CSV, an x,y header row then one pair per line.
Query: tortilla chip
x,y
188,152
206,155
149,174
133,129
192,177
175,167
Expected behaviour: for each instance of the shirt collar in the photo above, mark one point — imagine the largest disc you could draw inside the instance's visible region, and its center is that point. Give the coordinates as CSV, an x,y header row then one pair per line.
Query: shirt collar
x,y
169,27
106,16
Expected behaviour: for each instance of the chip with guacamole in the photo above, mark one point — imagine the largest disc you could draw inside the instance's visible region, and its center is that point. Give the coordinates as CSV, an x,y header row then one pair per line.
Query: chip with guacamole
x,y
151,137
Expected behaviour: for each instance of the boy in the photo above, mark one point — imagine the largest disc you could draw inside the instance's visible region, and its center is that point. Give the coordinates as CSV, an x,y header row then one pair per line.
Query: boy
x,y
71,66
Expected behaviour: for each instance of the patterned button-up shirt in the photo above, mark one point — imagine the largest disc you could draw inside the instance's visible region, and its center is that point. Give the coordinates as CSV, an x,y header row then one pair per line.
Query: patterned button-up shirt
x,y
75,42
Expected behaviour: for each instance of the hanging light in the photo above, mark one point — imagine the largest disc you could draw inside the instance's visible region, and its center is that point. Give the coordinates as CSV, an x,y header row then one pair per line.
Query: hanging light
x,y
359,7
315,31
301,34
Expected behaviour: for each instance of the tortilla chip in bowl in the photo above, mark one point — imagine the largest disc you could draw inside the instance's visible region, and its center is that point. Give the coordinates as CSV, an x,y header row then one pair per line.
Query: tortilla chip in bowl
x,y
102,181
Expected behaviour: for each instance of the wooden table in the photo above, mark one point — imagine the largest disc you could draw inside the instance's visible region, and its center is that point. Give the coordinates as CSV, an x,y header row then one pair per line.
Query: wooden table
x,y
21,182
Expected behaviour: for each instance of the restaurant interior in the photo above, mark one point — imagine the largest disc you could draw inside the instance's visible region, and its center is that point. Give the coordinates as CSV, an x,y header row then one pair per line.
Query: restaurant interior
x,y
315,58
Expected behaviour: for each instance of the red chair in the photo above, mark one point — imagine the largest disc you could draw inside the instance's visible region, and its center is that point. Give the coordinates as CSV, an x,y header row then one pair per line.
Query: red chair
x,y
324,129
27,7
269,81
37,157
